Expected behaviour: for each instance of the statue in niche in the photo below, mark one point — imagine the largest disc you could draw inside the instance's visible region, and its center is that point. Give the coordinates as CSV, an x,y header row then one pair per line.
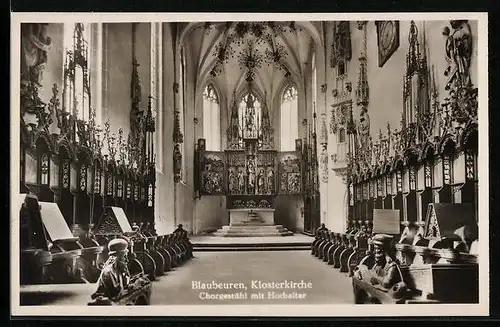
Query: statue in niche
x,y
233,181
34,47
251,178
458,52
241,182
270,181
364,126
261,184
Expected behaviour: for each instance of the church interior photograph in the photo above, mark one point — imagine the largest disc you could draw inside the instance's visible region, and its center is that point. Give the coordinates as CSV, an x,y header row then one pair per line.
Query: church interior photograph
x,y
248,162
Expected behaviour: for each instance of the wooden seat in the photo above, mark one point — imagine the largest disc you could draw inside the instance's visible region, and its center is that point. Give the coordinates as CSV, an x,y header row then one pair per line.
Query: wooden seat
x,y
49,251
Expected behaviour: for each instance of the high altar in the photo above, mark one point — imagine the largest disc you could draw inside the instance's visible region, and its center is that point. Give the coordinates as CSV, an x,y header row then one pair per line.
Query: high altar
x,y
250,172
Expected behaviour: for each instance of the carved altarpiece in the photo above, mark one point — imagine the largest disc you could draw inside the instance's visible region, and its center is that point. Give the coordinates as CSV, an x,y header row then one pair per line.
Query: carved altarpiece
x,y
250,172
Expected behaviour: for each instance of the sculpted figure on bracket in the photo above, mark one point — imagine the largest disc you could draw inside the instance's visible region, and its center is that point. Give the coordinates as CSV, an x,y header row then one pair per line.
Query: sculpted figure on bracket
x,y
34,46
458,52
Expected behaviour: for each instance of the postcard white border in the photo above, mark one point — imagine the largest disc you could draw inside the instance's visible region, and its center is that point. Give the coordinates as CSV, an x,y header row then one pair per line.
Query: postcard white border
x,y
481,309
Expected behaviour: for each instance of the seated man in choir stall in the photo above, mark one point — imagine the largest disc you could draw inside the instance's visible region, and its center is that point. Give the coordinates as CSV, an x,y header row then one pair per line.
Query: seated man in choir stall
x,y
321,228
115,276
181,231
385,274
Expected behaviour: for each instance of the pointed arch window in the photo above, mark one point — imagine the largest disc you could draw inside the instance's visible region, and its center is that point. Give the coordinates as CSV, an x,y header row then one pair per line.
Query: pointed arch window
x,y
249,115
289,119
211,119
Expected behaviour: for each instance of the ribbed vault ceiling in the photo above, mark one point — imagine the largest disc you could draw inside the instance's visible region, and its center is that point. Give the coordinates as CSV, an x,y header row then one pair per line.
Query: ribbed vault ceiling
x,y
279,52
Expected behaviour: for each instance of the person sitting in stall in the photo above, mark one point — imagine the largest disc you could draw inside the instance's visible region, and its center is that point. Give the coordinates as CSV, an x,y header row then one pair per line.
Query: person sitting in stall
x,y
467,234
182,235
319,229
385,274
115,276
180,231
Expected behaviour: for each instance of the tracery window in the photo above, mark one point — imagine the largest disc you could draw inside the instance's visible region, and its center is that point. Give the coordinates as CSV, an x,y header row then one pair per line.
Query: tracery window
x,y
289,119
211,119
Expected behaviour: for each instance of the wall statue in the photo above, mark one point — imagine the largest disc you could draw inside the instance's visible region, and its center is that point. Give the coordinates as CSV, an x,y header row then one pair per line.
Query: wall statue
x,y
270,181
34,47
261,185
458,53
241,182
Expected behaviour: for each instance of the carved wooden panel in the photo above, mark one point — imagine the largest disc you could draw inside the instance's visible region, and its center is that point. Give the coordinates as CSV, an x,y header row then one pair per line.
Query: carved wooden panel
x,y
289,173
212,173
236,180
113,222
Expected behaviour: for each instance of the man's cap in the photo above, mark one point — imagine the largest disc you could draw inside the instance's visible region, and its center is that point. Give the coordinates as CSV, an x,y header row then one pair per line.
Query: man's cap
x,y
382,240
117,245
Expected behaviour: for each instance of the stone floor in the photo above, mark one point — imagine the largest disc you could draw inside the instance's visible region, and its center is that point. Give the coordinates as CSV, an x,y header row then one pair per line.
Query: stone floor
x,y
328,285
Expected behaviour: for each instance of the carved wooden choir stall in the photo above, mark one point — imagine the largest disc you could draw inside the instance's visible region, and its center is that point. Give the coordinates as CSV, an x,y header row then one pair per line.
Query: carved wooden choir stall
x,y
413,201
82,185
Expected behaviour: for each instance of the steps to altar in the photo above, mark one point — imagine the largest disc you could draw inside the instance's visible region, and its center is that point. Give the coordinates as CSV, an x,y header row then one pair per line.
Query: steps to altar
x,y
256,243
252,229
